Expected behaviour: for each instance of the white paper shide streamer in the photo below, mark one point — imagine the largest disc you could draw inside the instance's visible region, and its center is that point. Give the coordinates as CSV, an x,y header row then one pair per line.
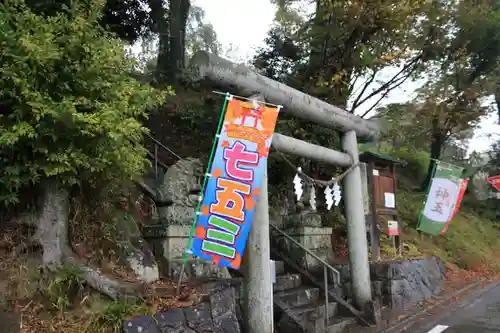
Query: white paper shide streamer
x,y
328,197
337,194
297,184
333,193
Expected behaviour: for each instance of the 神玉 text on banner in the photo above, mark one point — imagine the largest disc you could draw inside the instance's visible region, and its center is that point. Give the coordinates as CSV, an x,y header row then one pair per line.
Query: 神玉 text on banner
x,y
441,198
232,190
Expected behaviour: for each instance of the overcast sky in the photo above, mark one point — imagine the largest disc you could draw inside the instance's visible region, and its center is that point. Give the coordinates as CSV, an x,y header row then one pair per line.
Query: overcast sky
x,y
243,24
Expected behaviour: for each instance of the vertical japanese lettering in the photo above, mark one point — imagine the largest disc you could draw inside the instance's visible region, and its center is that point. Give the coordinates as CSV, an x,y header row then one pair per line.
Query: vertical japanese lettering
x,y
228,203
235,157
441,195
229,199
225,231
219,249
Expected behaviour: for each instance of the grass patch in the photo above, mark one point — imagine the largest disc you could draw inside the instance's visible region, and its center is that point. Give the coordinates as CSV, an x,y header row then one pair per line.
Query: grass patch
x,y
472,242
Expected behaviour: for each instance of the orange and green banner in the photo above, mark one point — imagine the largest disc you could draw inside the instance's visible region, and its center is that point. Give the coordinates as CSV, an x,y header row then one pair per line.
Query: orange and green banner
x,y
441,198
239,161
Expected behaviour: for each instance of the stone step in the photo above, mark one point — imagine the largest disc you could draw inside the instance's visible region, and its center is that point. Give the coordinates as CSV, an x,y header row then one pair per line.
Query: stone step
x,y
287,282
292,298
314,311
338,324
280,267
342,311
308,318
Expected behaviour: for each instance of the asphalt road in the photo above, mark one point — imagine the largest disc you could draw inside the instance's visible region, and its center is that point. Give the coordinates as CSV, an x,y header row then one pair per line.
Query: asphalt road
x,y
480,315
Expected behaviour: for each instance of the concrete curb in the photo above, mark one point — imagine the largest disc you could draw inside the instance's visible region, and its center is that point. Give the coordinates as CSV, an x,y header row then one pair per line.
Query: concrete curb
x,y
408,321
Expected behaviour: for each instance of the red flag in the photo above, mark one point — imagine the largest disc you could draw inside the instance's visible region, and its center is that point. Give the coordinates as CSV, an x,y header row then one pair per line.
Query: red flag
x,y
495,182
460,196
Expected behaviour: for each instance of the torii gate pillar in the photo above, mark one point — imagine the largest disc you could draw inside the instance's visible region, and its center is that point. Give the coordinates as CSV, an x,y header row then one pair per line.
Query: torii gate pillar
x,y
356,227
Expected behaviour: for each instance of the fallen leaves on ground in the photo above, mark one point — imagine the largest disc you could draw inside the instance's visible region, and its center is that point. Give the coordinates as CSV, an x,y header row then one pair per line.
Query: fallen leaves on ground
x,y
160,296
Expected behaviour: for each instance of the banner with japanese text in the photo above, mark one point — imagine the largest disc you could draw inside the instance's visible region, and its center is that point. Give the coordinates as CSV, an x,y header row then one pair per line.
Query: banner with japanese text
x,y
463,188
232,189
441,198
495,182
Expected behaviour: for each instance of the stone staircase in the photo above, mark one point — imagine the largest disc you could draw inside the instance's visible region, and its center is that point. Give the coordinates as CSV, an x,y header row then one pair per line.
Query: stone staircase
x,y
300,308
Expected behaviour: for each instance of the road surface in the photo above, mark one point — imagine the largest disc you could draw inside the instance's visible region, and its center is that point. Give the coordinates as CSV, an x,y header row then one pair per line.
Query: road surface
x,y
481,315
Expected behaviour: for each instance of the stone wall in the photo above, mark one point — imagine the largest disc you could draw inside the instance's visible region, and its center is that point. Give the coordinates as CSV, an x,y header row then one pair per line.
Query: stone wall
x,y
218,314
401,284
306,228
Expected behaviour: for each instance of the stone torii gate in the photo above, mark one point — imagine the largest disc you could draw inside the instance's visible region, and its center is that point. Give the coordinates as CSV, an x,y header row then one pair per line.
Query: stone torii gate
x,y
259,290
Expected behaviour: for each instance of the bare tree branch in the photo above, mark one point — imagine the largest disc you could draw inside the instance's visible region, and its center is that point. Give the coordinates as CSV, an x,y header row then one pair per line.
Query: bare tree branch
x,y
385,93
365,86
390,85
350,88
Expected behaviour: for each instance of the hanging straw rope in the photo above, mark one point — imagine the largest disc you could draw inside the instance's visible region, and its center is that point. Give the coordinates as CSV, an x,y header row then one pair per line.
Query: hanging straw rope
x,y
321,183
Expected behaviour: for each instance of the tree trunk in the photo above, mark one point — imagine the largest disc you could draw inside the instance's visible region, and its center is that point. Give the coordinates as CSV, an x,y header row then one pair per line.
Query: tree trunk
x,y
52,235
177,18
318,70
52,224
160,26
171,29
436,145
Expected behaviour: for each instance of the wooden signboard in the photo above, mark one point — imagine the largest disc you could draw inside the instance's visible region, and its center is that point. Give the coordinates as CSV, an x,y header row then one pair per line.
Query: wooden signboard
x,y
381,175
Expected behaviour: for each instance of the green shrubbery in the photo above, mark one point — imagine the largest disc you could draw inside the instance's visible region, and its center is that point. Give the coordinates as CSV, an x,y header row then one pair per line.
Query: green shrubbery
x,y
418,161
69,107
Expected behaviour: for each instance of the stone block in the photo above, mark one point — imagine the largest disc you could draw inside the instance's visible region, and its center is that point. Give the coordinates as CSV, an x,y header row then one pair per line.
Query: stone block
x,y
384,271
223,302
394,301
292,298
141,324
176,240
395,287
178,214
407,282
227,323
377,289
181,180
220,315
171,321
279,267
301,220
317,240
174,247
199,318
289,281
223,307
